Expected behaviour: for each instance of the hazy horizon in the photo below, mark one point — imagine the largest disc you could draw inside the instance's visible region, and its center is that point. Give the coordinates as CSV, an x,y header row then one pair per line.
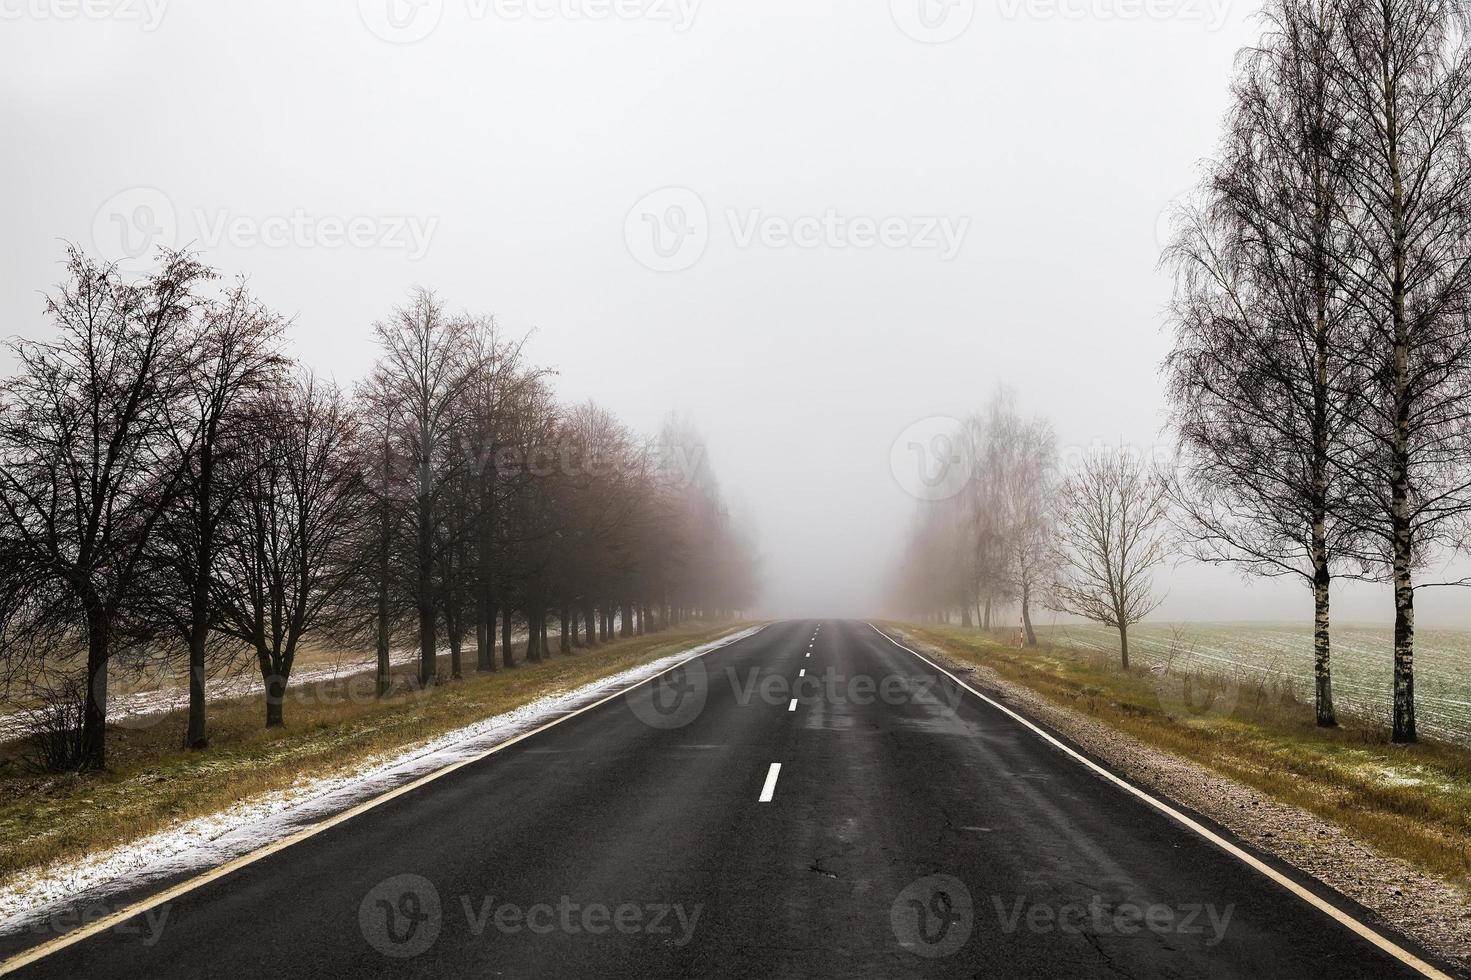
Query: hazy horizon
x,y
803,230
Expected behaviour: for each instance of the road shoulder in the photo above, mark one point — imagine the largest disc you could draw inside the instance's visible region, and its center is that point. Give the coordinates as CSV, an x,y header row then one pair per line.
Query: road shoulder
x,y
1430,912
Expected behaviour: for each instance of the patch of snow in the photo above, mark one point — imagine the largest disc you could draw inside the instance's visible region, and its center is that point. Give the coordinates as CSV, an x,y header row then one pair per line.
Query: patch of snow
x,y
207,842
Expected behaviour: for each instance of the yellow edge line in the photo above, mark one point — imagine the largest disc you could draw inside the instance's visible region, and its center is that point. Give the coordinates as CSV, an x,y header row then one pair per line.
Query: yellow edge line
x,y
235,864
1326,907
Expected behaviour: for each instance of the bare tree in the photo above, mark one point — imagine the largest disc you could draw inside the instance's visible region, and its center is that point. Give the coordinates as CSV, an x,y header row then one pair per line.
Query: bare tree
x,y
426,375
1111,520
500,382
87,468
231,357
986,529
381,595
1403,77
1028,470
1259,376
290,549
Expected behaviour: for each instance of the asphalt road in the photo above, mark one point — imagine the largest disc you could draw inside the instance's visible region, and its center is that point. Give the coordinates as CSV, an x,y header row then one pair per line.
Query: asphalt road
x,y
912,829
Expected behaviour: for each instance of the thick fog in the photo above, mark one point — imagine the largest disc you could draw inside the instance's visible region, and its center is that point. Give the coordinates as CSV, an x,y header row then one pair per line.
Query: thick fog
x,y
805,227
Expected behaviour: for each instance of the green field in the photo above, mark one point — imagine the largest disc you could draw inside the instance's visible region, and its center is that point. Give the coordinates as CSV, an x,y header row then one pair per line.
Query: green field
x,y
1283,652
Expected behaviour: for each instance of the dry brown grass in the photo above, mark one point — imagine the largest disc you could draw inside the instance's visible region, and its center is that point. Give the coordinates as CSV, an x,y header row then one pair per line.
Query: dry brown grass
x,y
152,784
1409,801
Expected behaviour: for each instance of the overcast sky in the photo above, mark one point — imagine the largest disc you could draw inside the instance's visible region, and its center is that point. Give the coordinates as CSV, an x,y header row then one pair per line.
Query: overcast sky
x,y
806,225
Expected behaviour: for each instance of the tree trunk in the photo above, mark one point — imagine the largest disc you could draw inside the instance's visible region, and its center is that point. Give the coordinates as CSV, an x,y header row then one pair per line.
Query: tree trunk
x,y
484,632
385,678
533,637
1124,643
94,715
428,645
275,684
456,643
1404,622
508,654
195,736
1401,545
626,626
565,642
589,623
1322,669
1029,635
1404,657
484,559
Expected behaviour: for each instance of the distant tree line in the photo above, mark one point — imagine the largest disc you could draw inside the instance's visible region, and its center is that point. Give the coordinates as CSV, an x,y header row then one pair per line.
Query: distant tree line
x,y
1022,533
174,484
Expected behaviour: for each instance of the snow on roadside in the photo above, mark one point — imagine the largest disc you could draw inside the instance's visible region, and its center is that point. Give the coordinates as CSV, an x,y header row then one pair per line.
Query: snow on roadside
x,y
174,696
207,842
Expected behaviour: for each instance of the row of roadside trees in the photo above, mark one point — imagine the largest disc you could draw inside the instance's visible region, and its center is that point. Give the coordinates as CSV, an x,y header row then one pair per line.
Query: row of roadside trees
x,y
175,487
1321,371
1320,375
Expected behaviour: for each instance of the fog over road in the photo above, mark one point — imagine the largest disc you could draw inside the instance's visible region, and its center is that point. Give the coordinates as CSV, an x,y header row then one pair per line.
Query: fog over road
x,y
812,800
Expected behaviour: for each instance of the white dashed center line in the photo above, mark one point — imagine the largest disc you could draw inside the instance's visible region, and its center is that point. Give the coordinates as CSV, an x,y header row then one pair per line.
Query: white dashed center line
x,y
769,789
802,672
793,705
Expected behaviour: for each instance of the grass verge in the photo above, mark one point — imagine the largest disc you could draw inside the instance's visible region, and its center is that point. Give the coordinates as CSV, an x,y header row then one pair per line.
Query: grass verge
x,y
1411,802
152,784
